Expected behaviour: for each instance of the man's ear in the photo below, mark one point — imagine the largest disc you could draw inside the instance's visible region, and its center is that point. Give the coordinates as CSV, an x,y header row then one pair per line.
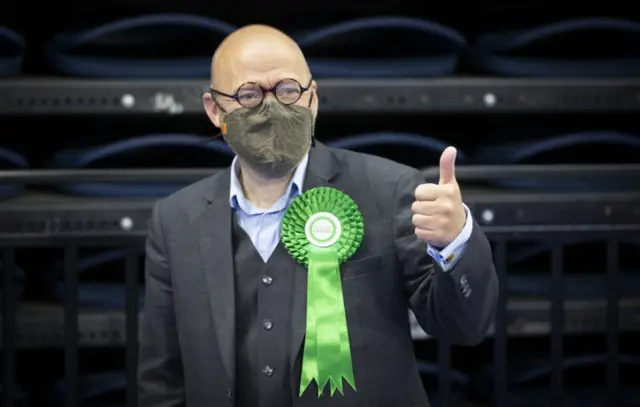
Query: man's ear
x,y
212,109
314,103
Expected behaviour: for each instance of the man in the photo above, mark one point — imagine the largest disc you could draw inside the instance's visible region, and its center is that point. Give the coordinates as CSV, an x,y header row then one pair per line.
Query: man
x,y
225,314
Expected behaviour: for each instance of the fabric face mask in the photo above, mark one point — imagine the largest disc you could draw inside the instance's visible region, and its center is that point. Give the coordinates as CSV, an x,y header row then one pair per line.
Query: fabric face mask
x,y
271,138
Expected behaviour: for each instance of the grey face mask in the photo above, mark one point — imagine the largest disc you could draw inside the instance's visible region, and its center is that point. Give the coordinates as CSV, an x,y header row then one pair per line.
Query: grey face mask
x,y
271,138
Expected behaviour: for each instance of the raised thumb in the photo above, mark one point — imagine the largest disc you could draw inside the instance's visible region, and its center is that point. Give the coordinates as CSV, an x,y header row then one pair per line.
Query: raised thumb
x,y
448,166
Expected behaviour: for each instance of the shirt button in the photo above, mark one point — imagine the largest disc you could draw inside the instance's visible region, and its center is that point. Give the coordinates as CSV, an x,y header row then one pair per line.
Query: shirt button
x,y
267,280
267,324
267,370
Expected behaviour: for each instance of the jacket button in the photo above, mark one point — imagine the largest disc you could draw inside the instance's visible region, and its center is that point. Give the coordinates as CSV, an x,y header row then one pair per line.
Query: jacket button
x,y
268,324
267,370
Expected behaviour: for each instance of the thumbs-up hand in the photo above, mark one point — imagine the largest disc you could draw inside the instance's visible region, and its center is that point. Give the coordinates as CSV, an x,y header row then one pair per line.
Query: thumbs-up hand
x,y
438,213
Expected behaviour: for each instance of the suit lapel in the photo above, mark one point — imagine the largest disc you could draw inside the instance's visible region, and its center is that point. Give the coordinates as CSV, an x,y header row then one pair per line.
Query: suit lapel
x,y
320,172
216,252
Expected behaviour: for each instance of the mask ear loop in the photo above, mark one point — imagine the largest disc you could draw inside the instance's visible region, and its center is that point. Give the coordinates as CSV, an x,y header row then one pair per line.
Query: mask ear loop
x,y
313,137
223,127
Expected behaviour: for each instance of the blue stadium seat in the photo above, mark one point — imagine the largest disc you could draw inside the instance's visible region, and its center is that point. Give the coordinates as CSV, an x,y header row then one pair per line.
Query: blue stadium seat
x,y
10,160
409,148
182,45
594,47
529,272
94,294
351,49
588,147
528,387
12,48
150,151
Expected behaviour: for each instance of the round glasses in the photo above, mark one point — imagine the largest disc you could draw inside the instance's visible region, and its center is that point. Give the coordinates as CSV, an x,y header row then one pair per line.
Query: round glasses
x,y
250,94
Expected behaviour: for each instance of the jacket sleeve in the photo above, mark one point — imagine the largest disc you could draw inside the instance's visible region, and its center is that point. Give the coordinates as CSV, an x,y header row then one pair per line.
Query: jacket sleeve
x,y
160,380
458,305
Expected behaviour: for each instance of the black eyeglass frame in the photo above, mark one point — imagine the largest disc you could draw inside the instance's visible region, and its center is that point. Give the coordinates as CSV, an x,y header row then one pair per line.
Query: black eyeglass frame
x,y
264,90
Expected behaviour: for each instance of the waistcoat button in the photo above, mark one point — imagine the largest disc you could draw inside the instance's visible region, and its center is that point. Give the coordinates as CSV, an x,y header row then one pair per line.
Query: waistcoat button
x,y
268,324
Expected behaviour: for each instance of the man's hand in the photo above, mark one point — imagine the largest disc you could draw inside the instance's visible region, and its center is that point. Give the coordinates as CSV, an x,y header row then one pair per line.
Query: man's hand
x,y
438,213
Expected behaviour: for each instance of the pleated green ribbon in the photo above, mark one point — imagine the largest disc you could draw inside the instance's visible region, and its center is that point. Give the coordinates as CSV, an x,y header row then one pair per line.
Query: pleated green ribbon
x,y
321,229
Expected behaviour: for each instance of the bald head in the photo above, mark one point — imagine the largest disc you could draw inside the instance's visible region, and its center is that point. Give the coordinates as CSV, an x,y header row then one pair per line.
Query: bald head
x,y
257,53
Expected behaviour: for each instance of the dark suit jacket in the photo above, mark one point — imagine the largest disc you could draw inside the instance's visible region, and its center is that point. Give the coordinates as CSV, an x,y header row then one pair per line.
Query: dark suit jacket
x,y
187,346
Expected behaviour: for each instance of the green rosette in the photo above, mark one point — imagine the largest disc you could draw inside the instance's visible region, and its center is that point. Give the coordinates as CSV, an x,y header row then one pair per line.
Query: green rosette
x,y
321,229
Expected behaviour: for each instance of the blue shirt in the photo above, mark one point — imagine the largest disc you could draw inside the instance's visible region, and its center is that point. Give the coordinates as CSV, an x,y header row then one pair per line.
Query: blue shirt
x,y
263,226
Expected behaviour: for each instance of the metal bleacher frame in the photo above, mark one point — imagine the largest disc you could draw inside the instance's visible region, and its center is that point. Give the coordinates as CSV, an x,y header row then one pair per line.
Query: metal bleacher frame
x,y
337,96
71,223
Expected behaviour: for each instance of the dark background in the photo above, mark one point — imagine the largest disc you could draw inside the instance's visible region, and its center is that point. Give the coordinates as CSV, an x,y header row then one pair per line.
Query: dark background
x,y
38,136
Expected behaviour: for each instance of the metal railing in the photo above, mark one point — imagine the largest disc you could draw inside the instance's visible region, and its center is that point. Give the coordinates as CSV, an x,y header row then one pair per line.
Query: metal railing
x,y
131,249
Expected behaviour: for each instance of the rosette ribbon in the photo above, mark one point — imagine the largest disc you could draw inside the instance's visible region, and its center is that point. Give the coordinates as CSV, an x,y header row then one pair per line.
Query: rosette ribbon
x,y
321,229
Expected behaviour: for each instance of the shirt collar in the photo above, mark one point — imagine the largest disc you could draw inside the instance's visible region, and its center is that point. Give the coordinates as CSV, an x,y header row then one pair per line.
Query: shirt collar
x,y
237,199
